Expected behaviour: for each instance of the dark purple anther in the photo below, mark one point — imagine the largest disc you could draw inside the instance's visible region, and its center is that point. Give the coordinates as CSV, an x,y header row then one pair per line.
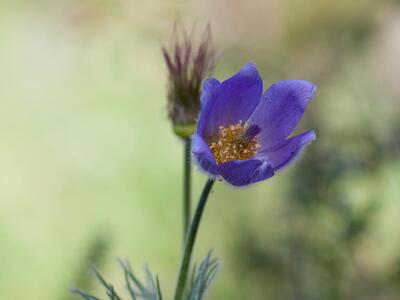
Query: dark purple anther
x,y
252,132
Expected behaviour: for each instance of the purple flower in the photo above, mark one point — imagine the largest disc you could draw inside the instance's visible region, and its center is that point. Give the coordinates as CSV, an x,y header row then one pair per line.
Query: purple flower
x,y
242,133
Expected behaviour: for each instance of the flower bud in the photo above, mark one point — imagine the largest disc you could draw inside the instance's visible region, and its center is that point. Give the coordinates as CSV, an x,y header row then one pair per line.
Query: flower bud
x,y
188,63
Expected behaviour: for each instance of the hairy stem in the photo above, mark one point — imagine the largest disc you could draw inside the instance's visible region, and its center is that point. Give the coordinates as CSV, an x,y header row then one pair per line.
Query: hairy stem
x,y
187,187
190,240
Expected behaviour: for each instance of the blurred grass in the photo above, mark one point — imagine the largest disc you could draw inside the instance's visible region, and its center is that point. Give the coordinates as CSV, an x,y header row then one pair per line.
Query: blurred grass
x,y
81,127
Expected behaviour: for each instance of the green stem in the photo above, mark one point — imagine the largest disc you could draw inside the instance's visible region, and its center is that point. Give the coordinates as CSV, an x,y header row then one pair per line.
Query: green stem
x,y
187,175
190,240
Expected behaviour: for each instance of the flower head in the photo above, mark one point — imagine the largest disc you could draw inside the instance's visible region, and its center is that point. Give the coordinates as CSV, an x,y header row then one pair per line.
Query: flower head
x,y
188,64
242,133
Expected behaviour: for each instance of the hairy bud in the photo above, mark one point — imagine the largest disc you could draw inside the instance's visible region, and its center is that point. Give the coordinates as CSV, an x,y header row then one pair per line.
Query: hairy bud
x,y
188,63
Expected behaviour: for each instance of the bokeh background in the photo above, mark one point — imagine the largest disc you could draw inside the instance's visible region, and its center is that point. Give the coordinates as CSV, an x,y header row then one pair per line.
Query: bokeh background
x,y
90,169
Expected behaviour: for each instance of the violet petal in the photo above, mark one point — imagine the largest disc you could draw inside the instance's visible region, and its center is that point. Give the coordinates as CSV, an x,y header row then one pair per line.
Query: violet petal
x,y
245,172
203,156
235,99
288,151
281,108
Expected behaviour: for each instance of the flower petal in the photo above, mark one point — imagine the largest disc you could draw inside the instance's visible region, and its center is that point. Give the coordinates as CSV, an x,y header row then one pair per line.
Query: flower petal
x,y
281,108
245,172
285,153
203,156
210,89
233,100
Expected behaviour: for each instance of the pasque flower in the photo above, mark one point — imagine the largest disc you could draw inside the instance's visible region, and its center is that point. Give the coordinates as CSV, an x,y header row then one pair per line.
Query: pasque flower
x,y
188,63
242,133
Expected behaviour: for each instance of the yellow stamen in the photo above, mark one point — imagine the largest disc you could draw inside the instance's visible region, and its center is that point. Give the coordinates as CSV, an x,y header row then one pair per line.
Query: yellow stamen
x,y
231,143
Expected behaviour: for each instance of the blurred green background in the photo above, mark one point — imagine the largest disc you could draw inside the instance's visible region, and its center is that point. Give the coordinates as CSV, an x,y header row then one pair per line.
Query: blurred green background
x,y
91,171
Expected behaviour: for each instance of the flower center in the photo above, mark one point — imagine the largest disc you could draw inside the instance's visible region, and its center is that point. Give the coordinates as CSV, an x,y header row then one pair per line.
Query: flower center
x,y
235,142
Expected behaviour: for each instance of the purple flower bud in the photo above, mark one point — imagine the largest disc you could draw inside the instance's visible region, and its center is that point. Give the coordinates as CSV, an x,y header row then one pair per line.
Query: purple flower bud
x,y
188,63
